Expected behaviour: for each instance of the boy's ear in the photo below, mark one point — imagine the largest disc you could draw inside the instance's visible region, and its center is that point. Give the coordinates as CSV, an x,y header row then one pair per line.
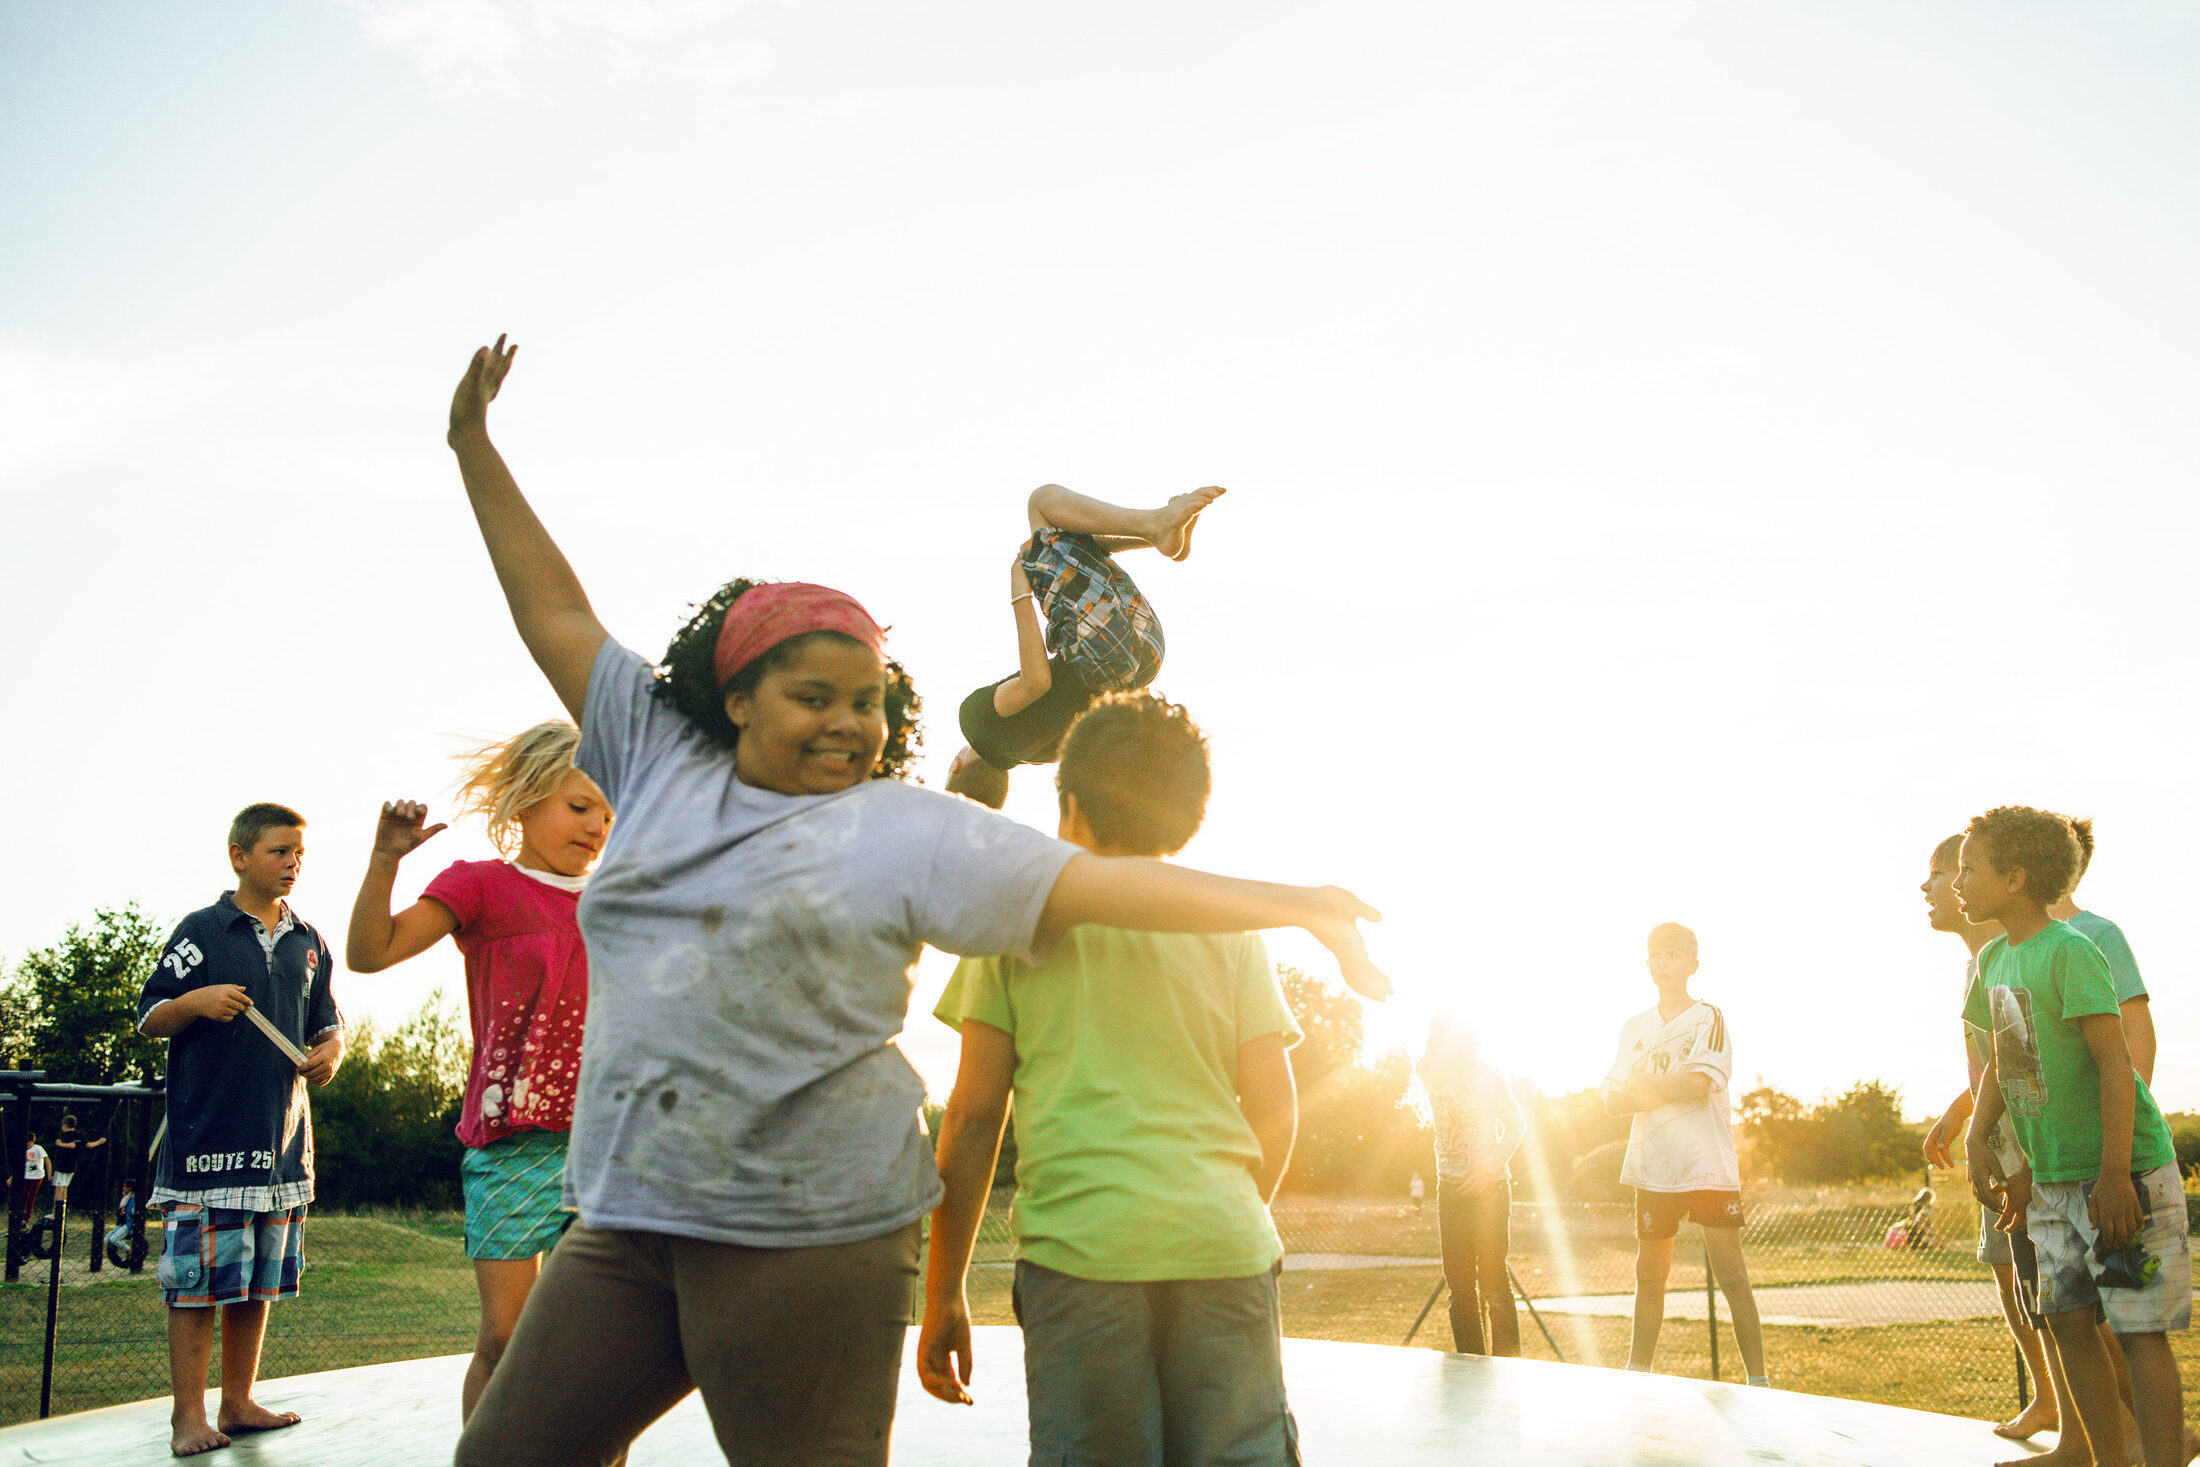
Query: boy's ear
x,y
237,854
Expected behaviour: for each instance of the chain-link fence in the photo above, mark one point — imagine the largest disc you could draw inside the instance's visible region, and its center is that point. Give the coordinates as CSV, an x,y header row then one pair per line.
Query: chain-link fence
x,y
1916,1324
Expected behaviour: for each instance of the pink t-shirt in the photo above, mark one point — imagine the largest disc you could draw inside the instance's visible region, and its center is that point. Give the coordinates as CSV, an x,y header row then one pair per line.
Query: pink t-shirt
x,y
526,993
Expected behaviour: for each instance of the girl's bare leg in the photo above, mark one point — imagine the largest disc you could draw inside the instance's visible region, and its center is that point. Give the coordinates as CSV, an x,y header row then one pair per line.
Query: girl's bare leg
x,y
1167,529
504,1284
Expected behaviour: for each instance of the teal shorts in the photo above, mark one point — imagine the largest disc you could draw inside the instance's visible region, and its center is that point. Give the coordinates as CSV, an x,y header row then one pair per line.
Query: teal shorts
x,y
515,1195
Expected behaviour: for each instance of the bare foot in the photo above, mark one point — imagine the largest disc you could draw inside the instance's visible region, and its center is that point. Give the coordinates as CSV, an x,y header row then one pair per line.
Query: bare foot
x,y
1177,516
189,1438
252,1416
2036,1417
2057,1456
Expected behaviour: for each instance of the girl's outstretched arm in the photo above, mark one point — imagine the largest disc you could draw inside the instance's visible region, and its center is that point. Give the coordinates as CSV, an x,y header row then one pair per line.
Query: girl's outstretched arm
x,y
378,940
548,605
1145,895
1033,674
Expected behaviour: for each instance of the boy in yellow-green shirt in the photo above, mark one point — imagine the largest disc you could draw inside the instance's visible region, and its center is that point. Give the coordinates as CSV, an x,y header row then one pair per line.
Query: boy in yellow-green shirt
x,y
1154,1116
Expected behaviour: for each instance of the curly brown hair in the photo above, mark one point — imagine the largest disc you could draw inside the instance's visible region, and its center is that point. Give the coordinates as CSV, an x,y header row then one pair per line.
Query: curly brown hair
x,y
1138,767
688,681
2038,842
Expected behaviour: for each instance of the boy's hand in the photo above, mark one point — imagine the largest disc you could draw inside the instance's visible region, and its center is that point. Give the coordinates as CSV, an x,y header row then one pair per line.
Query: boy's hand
x,y
2115,1210
1937,1141
221,1002
943,1352
324,1059
399,832
1985,1184
1339,931
2016,1198
477,389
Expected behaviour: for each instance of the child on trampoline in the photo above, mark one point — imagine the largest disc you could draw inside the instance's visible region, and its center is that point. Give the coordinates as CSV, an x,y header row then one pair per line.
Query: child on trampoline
x,y
2097,1192
1100,634
747,1156
526,995
235,1171
1154,1117
1478,1128
1675,1059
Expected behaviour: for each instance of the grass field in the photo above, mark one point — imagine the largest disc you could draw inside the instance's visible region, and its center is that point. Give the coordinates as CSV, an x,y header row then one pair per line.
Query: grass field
x,y
394,1287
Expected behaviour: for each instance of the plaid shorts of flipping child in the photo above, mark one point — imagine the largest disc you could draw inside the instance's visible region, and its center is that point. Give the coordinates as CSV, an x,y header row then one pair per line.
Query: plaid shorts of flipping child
x,y
217,1255
1098,621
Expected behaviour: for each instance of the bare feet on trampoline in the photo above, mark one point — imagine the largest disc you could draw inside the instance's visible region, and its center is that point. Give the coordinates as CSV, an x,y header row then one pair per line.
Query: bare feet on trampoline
x,y
2036,1417
1178,518
189,1438
252,1416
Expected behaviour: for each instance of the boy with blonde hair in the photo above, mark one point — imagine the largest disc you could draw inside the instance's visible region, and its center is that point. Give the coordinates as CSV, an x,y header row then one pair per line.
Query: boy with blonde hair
x,y
1675,1059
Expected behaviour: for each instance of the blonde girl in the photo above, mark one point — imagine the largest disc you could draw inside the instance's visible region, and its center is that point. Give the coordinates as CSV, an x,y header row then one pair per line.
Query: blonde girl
x,y
526,995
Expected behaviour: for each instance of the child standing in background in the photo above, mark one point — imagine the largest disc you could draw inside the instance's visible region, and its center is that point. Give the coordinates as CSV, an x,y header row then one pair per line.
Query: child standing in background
x,y
526,997
1478,1128
1675,1059
236,1167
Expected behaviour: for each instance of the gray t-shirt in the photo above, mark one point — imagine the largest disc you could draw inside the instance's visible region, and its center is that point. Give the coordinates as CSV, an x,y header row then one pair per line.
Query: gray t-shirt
x,y
750,959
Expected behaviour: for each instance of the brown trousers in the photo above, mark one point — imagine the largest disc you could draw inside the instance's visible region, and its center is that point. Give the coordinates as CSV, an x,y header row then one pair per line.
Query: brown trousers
x,y
797,1351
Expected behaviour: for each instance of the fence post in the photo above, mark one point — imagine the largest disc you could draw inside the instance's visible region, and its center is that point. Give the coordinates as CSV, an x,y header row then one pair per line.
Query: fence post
x,y
53,1304
1710,1304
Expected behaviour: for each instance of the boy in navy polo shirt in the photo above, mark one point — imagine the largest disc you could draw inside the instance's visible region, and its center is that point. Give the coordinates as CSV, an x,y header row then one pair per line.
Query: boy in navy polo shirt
x,y
236,1170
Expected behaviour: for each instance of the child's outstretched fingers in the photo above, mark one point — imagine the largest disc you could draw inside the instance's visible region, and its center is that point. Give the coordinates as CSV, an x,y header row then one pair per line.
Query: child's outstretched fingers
x,y
478,388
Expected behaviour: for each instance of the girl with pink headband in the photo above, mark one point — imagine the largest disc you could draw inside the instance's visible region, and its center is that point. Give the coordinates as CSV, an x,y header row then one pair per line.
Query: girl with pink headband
x,y
746,1154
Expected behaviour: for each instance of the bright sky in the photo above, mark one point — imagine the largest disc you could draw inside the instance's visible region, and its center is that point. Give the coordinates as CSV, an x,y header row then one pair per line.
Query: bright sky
x,y
1686,458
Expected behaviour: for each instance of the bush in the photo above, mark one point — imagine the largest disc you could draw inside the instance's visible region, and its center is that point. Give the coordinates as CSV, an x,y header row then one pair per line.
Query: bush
x,y
1596,1176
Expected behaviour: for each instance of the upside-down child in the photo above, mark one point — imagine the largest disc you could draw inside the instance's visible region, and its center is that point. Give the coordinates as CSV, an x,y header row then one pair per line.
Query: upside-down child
x,y
2099,1197
235,1170
1478,1128
526,995
1083,628
1675,1061
1155,1113
747,1157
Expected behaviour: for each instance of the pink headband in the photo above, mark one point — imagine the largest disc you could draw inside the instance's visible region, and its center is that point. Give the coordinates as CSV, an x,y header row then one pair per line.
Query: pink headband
x,y
766,615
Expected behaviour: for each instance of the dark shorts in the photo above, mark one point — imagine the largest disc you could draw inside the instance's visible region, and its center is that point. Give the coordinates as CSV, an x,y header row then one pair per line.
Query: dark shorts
x,y
1098,621
1659,1214
1178,1370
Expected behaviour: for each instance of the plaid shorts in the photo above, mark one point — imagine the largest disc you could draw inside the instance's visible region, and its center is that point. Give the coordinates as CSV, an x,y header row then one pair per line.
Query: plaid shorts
x,y
515,1195
2063,1236
1098,621
217,1255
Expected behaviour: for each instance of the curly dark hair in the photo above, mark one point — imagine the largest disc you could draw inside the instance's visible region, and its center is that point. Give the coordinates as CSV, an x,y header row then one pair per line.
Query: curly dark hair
x,y
2038,842
687,679
1138,766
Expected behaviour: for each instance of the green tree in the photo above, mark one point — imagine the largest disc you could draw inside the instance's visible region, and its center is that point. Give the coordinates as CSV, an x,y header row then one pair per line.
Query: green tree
x,y
1856,1136
1357,1132
384,1129
71,1009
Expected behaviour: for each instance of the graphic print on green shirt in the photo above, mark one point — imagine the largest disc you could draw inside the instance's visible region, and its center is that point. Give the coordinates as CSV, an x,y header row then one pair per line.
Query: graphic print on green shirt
x,y
2030,997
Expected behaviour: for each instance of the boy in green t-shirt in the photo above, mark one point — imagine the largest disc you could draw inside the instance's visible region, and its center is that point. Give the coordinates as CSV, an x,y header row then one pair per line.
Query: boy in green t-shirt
x,y
1154,1116
2100,1197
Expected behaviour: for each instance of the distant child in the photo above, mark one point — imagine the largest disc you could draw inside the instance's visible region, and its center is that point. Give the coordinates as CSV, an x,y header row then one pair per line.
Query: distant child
x,y
1155,1113
236,1170
69,1150
1675,1061
126,1215
1100,633
1478,1128
35,1166
747,1155
2100,1198
516,922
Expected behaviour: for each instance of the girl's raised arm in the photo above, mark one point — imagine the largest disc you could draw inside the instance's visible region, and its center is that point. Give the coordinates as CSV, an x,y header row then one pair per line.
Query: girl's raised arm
x,y
548,605
1152,896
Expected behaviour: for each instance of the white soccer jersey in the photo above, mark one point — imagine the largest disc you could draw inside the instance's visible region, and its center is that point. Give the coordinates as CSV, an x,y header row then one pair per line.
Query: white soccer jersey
x,y
1683,1146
